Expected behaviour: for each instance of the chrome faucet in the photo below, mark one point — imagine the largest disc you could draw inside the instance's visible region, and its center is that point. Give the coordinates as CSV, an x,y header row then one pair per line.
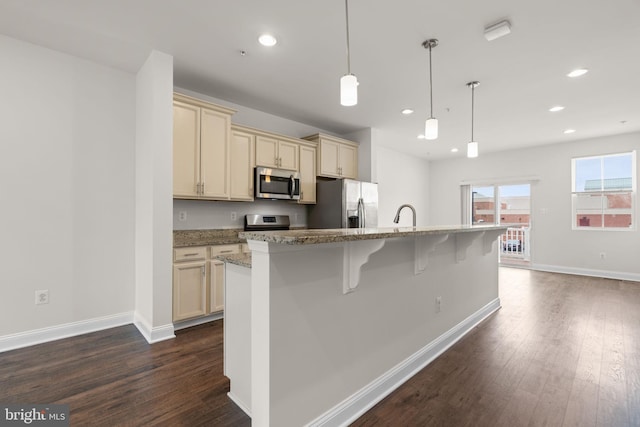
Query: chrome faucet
x,y
397,218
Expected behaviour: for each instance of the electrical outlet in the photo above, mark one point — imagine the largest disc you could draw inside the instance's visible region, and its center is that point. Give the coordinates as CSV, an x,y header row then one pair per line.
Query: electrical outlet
x,y
603,255
234,216
42,297
182,216
438,304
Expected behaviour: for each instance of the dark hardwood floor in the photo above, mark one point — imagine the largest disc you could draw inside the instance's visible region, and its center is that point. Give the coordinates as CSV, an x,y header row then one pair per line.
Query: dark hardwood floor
x,y
563,351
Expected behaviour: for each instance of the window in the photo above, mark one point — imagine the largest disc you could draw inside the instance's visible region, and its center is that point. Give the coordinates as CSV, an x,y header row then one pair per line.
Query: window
x,y
603,191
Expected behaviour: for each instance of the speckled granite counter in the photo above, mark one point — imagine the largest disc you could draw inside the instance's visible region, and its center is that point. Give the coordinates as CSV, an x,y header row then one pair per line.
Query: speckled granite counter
x,y
314,237
243,260
186,238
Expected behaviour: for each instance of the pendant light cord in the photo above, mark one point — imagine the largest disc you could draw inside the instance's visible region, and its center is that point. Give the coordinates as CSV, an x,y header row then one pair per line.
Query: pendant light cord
x,y
346,7
473,89
430,83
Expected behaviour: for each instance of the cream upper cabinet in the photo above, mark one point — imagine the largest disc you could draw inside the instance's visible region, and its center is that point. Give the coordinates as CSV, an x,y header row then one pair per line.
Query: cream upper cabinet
x,y
328,160
215,129
336,157
307,174
266,151
288,155
275,153
186,150
242,162
201,138
348,161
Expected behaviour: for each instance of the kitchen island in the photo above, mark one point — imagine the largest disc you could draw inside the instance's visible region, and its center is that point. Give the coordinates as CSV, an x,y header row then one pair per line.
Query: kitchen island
x,y
340,318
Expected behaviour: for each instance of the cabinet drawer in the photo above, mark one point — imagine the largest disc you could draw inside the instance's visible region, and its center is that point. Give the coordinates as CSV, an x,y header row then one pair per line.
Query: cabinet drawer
x,y
224,250
190,254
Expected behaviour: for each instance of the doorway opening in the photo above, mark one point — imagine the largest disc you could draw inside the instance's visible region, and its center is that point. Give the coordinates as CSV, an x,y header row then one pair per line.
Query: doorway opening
x,y
508,205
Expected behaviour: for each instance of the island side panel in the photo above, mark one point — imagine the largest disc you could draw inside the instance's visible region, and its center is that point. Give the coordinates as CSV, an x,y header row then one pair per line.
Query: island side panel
x,y
237,334
260,334
324,346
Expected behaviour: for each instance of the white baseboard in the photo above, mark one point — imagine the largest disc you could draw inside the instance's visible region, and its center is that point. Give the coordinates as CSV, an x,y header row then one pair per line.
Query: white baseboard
x,y
354,406
198,321
52,333
240,403
153,334
616,275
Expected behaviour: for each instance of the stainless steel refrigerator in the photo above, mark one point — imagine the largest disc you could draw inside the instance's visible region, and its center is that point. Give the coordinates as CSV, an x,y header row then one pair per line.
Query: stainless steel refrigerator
x,y
344,203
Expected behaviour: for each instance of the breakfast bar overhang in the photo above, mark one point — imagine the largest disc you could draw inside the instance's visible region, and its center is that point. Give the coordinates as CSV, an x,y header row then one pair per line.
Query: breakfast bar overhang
x,y
340,318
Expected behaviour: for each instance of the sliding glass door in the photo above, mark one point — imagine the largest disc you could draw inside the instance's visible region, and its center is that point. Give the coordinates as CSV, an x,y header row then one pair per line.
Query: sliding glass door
x,y
508,205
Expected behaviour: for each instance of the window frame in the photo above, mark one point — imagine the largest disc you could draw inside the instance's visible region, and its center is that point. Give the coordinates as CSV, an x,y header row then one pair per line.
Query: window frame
x,y
603,193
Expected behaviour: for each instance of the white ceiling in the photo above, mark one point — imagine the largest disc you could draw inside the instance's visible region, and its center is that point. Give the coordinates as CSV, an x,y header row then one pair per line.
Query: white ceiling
x,y
522,75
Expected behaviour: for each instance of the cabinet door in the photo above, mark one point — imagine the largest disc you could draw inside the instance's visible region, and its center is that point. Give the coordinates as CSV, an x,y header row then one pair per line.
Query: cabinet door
x,y
216,286
189,290
288,155
307,174
241,165
266,152
214,157
328,159
348,161
186,150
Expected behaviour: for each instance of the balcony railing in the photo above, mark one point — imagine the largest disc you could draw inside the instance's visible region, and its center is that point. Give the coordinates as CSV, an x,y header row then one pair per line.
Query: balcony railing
x,y
515,243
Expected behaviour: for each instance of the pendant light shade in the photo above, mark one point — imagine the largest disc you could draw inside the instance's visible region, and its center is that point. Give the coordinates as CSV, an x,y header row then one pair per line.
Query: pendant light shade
x,y
431,124
431,128
472,146
472,149
348,90
348,82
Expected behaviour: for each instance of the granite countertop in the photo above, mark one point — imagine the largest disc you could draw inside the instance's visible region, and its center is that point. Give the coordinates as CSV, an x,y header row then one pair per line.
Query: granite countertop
x,y
314,237
186,238
243,260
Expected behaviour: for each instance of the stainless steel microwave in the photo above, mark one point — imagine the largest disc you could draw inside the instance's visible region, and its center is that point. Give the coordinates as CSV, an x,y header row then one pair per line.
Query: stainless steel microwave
x,y
276,184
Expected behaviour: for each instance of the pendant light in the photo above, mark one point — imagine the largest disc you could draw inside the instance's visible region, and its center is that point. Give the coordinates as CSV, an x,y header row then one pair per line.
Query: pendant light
x,y
472,146
348,82
431,125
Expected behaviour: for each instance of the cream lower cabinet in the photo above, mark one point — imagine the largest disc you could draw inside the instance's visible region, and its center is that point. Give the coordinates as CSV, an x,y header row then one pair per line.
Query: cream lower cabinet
x,y
189,283
307,175
198,280
216,275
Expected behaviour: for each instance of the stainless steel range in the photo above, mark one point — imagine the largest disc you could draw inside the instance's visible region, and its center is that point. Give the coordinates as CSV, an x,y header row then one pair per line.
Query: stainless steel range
x,y
258,222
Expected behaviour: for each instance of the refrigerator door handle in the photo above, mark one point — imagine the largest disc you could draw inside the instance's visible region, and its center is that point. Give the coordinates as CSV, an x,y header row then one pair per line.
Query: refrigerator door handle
x,y
361,213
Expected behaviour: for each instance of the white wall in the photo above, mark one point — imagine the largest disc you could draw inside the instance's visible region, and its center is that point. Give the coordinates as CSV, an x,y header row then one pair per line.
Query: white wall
x,y
554,245
66,188
154,189
401,179
204,214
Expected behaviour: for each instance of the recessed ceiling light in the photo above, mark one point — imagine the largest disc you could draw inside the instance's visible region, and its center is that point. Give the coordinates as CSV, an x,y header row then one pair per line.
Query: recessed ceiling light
x,y
267,40
578,72
407,111
569,131
556,108
454,150
421,136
